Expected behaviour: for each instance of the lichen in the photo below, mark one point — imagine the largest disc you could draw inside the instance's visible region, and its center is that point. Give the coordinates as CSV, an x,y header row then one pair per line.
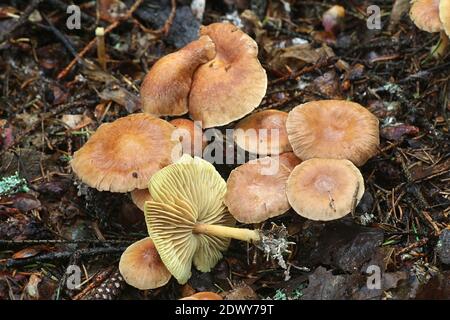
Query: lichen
x,y
13,184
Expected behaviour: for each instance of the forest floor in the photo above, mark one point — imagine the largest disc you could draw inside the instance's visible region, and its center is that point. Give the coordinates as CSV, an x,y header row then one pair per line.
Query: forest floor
x,y
49,108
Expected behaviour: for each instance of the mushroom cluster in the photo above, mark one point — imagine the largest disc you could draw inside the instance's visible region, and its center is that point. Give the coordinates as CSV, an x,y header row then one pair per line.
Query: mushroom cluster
x,y
217,79
307,161
433,16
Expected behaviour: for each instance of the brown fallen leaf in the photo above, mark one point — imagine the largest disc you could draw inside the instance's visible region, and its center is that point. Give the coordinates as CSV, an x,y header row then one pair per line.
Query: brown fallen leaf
x,y
396,132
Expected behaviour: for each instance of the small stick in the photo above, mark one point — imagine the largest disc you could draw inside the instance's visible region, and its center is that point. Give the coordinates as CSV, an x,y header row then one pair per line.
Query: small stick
x,y
11,263
93,42
101,51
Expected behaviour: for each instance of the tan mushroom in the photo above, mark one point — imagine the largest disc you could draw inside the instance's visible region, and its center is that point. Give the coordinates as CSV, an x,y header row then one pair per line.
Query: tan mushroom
x,y
256,190
122,155
444,15
206,295
263,133
324,189
141,266
334,129
430,16
191,136
139,196
165,89
232,84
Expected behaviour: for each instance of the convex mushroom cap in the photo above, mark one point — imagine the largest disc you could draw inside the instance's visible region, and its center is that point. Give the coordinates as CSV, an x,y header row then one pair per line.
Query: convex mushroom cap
x,y
190,135
139,196
165,89
324,189
206,295
141,266
425,15
263,133
334,129
444,15
256,190
232,84
186,194
122,155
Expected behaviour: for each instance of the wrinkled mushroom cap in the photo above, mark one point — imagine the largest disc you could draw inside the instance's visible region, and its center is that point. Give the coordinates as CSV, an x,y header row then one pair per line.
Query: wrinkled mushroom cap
x,y
207,295
122,155
165,89
188,192
334,129
444,15
425,15
263,133
139,196
290,160
233,83
141,266
324,189
190,135
256,190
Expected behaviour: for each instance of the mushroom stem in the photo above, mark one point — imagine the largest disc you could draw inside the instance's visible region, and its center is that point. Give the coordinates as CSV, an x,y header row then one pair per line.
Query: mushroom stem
x,y
228,232
440,48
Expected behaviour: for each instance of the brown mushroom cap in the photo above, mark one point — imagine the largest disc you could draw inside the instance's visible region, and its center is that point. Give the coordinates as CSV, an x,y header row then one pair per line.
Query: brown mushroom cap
x,y
255,132
233,83
425,15
290,160
444,15
256,190
191,136
165,89
324,189
139,196
122,155
206,295
141,266
334,129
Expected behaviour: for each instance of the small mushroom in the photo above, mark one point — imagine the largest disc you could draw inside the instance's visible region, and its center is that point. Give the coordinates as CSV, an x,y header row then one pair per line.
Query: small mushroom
x,y
206,295
122,155
191,136
232,84
334,129
165,89
139,196
141,266
324,189
187,218
263,133
430,16
256,190
444,15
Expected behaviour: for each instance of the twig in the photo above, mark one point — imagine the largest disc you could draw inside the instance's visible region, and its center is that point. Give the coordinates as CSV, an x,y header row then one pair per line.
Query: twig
x,y
93,42
11,263
5,34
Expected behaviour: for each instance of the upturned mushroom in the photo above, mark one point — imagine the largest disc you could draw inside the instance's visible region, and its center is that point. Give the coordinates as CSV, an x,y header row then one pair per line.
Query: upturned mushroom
x,y
141,266
324,189
187,219
263,133
256,190
333,129
121,156
433,16
233,83
165,89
